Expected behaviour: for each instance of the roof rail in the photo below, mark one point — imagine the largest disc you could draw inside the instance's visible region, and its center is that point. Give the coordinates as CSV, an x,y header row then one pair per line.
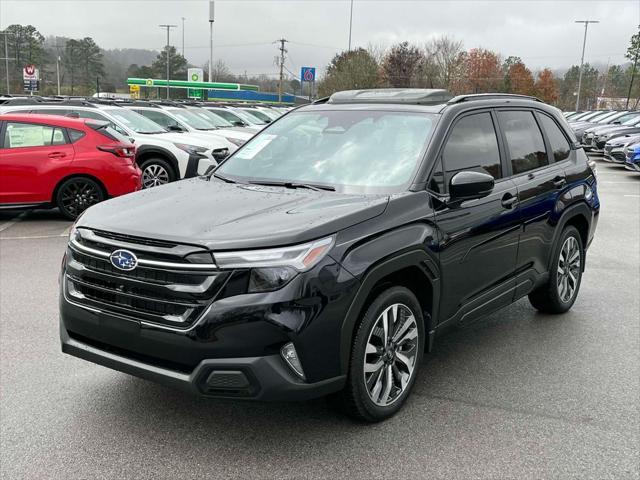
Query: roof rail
x,y
491,96
406,96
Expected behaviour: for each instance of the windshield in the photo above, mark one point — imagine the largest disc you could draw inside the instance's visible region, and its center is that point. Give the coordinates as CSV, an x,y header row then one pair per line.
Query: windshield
x,y
630,119
135,121
361,151
608,118
249,117
256,113
191,119
227,115
211,117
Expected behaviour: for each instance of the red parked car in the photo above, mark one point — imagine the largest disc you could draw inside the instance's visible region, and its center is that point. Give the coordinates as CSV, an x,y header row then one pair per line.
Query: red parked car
x,y
69,163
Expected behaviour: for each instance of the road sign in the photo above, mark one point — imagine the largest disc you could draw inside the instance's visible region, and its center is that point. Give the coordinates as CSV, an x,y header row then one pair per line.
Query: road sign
x,y
308,74
134,91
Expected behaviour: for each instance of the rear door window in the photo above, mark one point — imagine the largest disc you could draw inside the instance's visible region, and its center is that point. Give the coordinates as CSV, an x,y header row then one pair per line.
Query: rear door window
x,y
524,140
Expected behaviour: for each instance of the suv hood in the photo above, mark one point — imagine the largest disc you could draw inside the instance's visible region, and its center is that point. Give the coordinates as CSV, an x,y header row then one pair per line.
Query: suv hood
x,y
223,216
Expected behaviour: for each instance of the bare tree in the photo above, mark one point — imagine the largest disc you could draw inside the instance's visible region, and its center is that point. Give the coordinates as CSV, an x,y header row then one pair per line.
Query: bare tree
x,y
445,54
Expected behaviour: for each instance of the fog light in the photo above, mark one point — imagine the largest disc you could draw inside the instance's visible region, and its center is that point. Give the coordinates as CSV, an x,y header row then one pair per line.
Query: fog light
x,y
290,356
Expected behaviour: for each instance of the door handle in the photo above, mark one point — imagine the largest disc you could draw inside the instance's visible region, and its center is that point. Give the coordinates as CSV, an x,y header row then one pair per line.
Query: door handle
x,y
559,182
57,155
509,201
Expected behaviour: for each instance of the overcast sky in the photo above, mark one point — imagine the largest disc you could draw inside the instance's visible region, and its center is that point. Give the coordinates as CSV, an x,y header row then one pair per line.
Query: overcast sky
x,y
542,32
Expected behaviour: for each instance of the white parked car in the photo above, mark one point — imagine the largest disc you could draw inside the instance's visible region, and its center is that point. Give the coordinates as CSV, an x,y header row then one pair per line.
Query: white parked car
x,y
192,120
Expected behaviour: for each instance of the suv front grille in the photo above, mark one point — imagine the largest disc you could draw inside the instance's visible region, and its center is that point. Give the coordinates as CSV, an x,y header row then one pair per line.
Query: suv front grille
x,y
172,292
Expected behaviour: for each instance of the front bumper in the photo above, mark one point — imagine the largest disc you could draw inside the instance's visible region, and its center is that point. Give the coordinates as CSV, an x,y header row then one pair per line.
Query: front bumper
x,y
253,378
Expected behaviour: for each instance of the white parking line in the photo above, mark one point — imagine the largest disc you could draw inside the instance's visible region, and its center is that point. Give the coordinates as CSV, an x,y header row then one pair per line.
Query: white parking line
x,y
12,222
33,237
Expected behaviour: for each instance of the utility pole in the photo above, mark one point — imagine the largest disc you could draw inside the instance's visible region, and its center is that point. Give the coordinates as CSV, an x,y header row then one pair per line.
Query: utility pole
x,y
168,27
350,24
58,73
633,74
211,19
183,19
282,52
6,58
584,43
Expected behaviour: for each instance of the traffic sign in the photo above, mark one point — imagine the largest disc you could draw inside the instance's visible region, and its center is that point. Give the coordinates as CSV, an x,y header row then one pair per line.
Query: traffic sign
x,y
308,74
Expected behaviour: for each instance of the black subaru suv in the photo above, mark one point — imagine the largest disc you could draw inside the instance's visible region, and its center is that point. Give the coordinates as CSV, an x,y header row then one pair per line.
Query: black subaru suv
x,y
326,255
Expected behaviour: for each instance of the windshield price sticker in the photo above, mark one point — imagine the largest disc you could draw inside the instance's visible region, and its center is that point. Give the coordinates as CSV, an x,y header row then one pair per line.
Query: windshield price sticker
x,y
255,146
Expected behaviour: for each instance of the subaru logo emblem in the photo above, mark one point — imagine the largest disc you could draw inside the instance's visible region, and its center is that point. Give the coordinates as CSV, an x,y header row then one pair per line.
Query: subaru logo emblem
x,y
123,260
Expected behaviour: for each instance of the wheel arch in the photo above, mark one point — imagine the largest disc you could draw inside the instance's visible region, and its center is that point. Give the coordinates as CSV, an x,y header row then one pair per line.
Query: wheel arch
x,y
414,270
145,152
577,216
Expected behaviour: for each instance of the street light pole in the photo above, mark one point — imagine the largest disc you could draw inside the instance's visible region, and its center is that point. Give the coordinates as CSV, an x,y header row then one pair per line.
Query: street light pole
x,y
211,19
183,19
350,23
168,27
584,43
6,58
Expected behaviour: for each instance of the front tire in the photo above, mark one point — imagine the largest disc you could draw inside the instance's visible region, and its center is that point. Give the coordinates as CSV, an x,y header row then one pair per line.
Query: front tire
x,y
155,172
386,352
561,290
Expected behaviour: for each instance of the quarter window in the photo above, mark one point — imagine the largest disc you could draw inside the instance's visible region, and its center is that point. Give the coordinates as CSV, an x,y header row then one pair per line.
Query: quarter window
x,y
472,145
19,135
559,143
524,139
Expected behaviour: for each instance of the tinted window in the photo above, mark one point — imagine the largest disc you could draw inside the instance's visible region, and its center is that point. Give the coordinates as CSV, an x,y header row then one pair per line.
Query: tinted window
x,y
53,111
524,139
559,144
32,135
74,135
472,145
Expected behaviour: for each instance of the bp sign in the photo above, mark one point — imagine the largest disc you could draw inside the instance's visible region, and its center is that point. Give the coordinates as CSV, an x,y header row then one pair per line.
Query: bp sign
x,y
195,75
149,82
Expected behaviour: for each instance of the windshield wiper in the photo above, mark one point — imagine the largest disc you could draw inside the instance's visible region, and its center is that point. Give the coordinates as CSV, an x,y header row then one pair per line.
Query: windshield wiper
x,y
310,186
223,178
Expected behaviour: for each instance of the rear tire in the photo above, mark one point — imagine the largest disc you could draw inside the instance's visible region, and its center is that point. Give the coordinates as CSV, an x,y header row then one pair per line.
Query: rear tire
x,y
559,293
77,194
155,172
384,361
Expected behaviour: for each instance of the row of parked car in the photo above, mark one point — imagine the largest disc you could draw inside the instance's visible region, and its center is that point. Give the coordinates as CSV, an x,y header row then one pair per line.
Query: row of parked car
x,y
612,133
59,151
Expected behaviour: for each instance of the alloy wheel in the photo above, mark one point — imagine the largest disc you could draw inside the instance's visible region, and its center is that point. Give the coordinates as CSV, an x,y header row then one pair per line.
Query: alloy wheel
x,y
79,195
390,355
568,269
154,175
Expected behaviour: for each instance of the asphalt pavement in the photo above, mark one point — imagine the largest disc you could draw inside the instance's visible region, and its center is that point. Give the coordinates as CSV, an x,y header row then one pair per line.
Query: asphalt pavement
x,y
519,395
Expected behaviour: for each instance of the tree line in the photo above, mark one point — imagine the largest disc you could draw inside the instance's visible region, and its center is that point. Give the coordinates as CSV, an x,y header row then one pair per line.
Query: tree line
x,y
443,63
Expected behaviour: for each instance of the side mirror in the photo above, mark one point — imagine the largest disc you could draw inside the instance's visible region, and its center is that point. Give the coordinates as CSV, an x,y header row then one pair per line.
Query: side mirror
x,y
239,123
469,185
175,128
220,154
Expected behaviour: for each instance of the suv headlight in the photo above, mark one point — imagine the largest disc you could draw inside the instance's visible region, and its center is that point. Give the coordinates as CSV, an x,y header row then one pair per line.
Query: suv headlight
x,y
272,268
191,149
